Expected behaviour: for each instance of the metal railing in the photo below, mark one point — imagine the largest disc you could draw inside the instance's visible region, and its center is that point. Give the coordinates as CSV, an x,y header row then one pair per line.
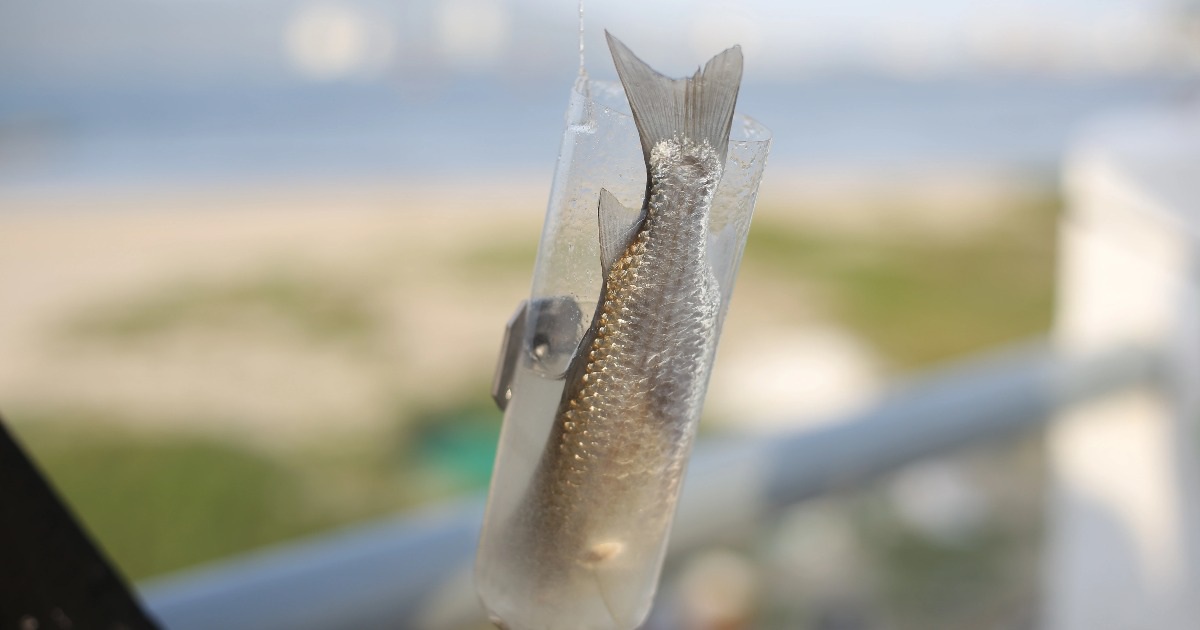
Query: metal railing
x,y
414,570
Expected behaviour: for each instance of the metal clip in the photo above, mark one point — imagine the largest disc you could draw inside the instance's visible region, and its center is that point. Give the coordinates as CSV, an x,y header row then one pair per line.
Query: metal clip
x,y
556,334
514,336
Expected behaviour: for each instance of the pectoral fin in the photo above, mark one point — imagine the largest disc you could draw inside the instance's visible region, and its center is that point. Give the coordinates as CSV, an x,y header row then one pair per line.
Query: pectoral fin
x,y
618,227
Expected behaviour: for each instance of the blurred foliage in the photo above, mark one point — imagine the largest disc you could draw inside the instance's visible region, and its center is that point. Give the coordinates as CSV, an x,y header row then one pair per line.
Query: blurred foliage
x,y
500,258
920,300
167,502
163,501
159,502
931,584
320,310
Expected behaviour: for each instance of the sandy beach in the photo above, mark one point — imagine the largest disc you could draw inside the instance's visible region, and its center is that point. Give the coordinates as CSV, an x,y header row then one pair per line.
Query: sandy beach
x,y
399,255
218,311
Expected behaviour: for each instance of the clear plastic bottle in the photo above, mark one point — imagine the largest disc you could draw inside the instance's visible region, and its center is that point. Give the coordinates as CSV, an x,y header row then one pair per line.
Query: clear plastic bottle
x,y
600,149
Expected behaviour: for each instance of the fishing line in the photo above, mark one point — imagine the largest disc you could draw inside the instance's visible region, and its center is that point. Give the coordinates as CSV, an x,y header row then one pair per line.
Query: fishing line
x,y
582,71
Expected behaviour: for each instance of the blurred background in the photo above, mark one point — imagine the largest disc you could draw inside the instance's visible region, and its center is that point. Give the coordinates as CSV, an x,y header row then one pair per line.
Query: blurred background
x,y
256,258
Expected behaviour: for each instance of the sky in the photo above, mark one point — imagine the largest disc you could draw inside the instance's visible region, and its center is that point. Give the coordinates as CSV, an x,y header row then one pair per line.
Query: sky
x,y
326,40
925,36
155,89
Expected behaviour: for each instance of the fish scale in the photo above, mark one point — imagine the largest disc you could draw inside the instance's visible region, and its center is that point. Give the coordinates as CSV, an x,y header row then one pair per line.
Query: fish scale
x,y
637,381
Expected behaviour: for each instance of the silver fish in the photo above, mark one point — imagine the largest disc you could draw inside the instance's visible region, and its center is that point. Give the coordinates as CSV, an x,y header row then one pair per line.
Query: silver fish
x,y
605,488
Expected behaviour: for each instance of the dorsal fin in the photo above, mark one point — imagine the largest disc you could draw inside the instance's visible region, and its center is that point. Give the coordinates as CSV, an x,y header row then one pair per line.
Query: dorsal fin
x,y
699,108
618,227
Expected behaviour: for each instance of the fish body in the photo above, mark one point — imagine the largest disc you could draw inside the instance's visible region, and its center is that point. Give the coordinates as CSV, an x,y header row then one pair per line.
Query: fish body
x,y
624,425
604,490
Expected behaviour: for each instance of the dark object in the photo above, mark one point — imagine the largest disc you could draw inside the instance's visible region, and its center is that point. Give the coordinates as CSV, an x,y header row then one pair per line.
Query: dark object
x,y
556,332
52,575
510,350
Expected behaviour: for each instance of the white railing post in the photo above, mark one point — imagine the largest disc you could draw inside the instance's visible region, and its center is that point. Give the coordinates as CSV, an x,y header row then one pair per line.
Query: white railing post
x,y
1123,545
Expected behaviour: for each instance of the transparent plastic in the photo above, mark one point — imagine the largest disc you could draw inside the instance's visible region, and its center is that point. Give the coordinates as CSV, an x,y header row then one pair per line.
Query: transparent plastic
x,y
600,150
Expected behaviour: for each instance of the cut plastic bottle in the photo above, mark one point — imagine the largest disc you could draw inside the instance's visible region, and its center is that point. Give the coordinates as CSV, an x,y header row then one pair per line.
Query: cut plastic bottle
x,y
600,149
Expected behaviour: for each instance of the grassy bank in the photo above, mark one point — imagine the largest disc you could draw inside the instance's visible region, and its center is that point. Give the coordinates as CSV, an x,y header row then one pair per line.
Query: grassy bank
x,y
411,328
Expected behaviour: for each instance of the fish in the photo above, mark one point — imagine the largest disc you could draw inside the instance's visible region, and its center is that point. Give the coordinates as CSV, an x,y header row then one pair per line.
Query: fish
x,y
604,490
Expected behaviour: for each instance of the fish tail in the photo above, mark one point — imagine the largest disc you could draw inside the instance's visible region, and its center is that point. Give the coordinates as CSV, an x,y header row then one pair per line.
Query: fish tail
x,y
699,108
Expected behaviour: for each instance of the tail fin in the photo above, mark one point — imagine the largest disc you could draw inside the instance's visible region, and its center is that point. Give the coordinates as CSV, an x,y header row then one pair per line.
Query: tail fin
x,y
699,108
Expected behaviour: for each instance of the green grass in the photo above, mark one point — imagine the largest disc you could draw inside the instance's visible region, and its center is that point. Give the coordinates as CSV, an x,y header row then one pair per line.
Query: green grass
x,y
501,258
166,503
924,301
318,309
162,502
